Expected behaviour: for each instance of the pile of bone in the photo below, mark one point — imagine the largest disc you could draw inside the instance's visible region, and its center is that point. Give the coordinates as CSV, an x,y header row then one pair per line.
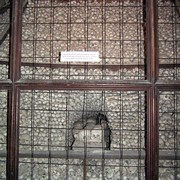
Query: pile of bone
x,y
52,38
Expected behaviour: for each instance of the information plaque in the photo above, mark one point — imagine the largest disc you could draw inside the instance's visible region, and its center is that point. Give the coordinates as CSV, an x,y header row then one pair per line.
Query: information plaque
x,y
79,56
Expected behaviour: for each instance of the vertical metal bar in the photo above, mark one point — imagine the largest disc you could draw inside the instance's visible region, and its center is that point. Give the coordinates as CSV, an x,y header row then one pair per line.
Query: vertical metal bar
x,y
151,40
12,134
15,55
15,40
152,98
152,135
85,169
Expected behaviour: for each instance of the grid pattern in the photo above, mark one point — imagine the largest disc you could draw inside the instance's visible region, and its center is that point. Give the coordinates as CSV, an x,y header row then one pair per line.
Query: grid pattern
x,y
4,43
47,118
73,169
46,130
114,29
169,133
3,131
169,40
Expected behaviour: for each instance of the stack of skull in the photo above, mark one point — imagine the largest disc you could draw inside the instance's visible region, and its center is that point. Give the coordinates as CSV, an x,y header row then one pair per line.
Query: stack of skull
x,y
92,134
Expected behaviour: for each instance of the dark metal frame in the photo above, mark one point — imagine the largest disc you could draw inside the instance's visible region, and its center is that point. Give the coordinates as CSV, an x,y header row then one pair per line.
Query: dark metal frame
x,y
151,86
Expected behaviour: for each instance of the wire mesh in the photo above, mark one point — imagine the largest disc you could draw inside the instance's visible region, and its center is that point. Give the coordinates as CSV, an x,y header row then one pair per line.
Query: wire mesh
x,y
116,29
113,28
3,132
4,42
169,40
169,133
46,132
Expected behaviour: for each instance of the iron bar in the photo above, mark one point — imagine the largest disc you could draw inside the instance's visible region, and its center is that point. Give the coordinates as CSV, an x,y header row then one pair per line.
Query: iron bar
x,y
5,84
152,98
127,154
15,58
152,86
4,34
79,66
151,40
152,157
86,85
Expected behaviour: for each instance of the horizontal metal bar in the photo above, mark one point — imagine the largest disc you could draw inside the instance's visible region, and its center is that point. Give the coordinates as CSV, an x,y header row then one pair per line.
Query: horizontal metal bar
x,y
80,66
95,154
67,84
110,66
5,84
168,85
137,85
107,1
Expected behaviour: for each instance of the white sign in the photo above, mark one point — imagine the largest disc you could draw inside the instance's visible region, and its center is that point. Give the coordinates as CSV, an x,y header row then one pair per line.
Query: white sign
x,y
80,56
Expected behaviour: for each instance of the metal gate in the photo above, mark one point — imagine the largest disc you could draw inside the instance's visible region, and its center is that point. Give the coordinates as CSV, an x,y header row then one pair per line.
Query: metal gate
x,y
115,118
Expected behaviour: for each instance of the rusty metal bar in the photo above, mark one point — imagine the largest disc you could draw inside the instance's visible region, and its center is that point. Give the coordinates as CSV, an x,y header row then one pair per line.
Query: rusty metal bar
x,y
127,154
86,85
151,40
7,27
112,67
152,97
152,157
79,66
5,84
12,134
152,137
12,124
168,85
15,41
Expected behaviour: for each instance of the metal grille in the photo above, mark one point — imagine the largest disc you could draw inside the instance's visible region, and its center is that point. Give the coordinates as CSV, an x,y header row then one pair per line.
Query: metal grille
x,y
169,133
169,40
46,125
3,132
114,29
83,129
4,41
